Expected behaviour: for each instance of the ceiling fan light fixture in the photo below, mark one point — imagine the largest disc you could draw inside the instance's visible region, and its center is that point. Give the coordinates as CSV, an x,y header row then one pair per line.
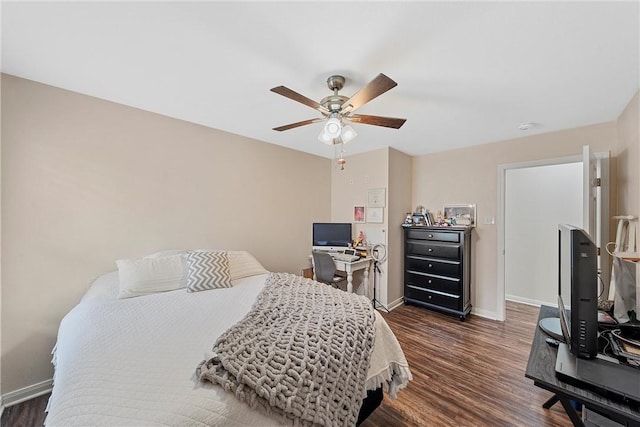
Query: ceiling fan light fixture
x,y
348,133
323,137
336,108
333,127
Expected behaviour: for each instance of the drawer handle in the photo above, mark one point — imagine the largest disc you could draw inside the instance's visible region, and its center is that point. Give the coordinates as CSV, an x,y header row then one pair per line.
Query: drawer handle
x,y
430,281
429,296
430,265
430,235
430,250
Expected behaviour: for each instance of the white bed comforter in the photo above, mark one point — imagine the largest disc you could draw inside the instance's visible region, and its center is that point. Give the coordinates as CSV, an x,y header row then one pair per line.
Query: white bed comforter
x,y
126,362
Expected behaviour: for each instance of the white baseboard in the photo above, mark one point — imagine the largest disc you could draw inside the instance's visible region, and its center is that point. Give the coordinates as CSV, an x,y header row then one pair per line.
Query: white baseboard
x,y
487,314
26,393
527,301
480,313
493,315
395,304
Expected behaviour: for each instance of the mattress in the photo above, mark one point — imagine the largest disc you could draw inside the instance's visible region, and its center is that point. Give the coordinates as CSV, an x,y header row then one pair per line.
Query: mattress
x,y
132,361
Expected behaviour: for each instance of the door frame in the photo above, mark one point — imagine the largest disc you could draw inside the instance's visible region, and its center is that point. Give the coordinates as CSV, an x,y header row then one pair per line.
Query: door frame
x,y
603,223
502,174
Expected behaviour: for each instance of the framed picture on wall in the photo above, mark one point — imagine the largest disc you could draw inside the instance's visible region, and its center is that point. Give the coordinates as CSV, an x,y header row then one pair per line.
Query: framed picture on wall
x,y
358,214
375,215
376,198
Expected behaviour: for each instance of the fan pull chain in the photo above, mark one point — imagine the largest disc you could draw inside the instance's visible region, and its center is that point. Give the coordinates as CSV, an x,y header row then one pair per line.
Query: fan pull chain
x,y
341,160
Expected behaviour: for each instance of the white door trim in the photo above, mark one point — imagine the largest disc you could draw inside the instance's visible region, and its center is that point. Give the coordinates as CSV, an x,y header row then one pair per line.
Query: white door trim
x,y
502,172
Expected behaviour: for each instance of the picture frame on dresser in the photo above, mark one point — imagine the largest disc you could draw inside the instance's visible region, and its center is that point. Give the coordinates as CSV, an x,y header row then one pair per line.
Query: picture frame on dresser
x,y
463,215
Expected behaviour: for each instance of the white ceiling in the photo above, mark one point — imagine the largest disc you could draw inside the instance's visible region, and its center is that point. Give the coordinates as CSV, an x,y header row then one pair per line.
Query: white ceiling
x,y
468,72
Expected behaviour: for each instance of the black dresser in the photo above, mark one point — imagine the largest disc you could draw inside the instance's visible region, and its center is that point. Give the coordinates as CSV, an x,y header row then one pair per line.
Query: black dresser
x,y
437,269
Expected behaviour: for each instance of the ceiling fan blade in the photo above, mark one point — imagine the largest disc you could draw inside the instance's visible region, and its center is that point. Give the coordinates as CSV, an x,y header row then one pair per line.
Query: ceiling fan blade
x,y
373,89
285,91
388,122
297,124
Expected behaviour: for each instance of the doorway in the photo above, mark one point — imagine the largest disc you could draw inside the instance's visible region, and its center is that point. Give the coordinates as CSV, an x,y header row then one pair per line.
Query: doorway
x,y
537,199
538,261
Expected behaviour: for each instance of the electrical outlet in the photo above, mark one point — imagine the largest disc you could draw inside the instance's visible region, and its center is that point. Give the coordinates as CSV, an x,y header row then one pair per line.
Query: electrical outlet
x,y
489,220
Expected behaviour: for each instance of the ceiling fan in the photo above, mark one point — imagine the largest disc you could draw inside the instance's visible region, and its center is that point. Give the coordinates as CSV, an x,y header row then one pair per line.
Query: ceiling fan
x,y
336,108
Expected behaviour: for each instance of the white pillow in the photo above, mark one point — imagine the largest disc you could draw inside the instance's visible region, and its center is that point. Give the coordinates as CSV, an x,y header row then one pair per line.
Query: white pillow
x,y
164,253
243,264
144,276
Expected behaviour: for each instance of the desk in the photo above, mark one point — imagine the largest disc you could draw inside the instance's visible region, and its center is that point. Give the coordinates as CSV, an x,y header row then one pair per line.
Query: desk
x,y
350,267
541,368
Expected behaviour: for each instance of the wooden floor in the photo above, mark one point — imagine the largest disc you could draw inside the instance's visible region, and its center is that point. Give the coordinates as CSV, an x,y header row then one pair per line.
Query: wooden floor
x,y
464,374
27,414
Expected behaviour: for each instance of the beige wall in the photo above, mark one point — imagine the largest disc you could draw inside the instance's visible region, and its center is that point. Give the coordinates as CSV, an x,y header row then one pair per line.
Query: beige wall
x,y
469,175
399,205
389,169
349,188
1,402
628,154
86,181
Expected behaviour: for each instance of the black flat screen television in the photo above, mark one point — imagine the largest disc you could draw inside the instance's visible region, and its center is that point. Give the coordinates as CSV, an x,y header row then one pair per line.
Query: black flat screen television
x,y
331,236
578,290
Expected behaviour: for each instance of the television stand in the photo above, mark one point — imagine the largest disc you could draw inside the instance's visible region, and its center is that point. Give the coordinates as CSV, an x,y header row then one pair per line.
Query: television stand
x,y
541,368
551,325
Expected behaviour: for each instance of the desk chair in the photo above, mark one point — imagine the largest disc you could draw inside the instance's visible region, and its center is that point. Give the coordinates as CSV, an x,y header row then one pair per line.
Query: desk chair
x,y
325,269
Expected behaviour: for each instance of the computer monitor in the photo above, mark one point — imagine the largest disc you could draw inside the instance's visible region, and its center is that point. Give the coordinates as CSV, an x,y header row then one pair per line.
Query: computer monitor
x,y
578,290
331,236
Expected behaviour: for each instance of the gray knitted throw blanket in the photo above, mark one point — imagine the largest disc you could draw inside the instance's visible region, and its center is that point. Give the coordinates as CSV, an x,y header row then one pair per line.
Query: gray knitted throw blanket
x,y
301,353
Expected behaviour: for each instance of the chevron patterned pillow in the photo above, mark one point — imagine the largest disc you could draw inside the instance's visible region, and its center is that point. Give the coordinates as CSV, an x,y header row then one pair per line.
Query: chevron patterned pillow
x,y
208,270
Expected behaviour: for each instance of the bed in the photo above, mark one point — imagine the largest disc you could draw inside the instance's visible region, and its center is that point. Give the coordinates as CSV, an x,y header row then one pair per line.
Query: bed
x,y
129,353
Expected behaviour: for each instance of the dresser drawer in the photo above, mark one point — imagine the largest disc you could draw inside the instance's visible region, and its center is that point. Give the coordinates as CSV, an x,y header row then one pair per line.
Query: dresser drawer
x,y
442,236
436,298
434,283
433,266
433,249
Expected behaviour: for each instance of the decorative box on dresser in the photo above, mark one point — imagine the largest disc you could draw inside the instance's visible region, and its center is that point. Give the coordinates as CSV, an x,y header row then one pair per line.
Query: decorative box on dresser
x,y
437,268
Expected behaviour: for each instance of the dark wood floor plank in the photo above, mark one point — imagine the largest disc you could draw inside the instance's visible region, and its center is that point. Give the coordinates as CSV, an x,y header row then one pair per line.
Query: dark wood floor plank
x,y
465,374
27,414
